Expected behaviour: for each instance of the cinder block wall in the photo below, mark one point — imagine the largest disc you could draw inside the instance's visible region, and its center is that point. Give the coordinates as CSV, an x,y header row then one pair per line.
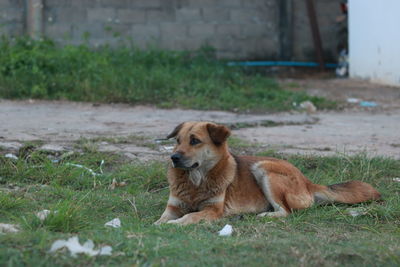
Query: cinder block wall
x,y
237,29
12,17
327,12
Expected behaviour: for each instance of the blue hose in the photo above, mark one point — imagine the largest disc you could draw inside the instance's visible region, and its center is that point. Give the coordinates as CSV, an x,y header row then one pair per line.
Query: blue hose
x,y
280,63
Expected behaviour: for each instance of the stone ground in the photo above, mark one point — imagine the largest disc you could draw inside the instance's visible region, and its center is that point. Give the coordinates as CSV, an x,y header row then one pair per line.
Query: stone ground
x,y
352,129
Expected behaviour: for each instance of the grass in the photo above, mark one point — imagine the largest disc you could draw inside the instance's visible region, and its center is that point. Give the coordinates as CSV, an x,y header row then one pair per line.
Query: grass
x,y
325,235
44,70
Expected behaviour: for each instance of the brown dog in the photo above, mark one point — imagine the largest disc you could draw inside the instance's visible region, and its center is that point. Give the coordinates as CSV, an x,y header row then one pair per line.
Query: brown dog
x,y
207,182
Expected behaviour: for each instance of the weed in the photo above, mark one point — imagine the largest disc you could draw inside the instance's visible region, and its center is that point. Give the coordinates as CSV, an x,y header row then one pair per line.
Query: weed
x,y
9,202
68,216
41,69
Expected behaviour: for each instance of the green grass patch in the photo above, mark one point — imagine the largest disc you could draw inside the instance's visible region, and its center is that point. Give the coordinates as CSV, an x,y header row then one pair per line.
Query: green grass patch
x,y
81,203
44,70
9,202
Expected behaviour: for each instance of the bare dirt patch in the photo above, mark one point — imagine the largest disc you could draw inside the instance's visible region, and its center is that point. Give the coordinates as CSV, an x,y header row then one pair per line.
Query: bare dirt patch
x,y
386,97
352,130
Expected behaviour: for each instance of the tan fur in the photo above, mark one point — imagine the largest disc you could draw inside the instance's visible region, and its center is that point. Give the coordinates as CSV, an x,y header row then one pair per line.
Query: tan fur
x,y
223,184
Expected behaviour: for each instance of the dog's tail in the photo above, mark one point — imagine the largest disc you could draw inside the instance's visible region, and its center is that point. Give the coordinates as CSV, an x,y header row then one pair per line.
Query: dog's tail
x,y
349,192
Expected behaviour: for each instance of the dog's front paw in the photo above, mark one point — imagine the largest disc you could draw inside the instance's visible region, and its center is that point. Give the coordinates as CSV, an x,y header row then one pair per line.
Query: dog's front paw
x,y
180,221
185,220
177,221
160,221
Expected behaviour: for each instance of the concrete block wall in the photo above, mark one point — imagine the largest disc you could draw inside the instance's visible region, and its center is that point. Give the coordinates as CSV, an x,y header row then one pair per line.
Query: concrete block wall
x,y
327,12
12,16
237,29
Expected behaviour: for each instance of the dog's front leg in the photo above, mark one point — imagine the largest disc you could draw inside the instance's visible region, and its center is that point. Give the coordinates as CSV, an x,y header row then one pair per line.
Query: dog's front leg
x,y
172,211
208,213
169,214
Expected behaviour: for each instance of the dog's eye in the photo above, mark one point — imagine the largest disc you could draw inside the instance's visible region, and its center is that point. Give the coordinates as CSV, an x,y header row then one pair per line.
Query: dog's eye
x,y
178,141
194,141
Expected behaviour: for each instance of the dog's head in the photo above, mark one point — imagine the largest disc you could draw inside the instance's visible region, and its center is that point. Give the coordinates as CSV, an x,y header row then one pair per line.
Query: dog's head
x,y
199,145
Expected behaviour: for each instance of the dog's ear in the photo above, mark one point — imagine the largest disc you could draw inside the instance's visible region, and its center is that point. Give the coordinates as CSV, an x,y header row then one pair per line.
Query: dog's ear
x,y
175,131
218,133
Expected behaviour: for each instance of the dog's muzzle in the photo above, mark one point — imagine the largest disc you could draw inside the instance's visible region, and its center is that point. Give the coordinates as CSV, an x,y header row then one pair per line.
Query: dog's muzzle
x,y
176,158
179,161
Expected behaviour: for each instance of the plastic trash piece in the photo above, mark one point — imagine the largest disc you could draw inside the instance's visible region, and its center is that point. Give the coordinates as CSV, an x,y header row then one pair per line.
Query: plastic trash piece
x,y
11,156
116,223
356,211
226,231
83,167
353,100
368,104
42,215
73,245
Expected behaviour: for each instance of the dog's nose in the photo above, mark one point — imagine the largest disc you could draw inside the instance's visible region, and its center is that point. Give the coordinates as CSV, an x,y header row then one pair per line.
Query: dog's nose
x,y
176,157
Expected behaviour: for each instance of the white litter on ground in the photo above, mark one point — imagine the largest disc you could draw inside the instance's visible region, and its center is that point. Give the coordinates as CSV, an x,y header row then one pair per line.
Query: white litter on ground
x,y
101,166
353,100
83,167
42,215
226,231
397,179
168,148
116,223
11,156
73,245
356,211
8,228
308,106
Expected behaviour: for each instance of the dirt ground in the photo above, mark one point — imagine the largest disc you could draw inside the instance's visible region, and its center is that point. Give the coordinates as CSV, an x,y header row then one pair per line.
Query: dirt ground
x,y
351,129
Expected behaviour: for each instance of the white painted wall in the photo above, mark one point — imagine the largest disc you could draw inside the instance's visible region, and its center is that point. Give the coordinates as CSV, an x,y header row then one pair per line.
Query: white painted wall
x,y
374,40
